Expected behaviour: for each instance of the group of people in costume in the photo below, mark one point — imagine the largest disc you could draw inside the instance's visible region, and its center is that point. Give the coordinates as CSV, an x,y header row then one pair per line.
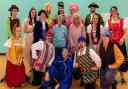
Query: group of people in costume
x,y
55,49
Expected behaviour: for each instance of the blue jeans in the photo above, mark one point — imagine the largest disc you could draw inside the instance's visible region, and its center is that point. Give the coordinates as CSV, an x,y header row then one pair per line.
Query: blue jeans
x,y
107,77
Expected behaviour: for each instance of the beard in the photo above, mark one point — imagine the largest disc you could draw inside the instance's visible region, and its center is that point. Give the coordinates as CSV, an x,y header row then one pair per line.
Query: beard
x,y
92,11
81,46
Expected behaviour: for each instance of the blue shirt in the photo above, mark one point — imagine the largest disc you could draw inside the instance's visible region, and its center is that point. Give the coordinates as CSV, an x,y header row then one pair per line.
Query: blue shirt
x,y
65,67
59,35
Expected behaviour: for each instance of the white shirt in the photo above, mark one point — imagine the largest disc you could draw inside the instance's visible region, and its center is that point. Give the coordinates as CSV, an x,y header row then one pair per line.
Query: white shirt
x,y
91,16
39,46
89,28
124,24
94,56
8,43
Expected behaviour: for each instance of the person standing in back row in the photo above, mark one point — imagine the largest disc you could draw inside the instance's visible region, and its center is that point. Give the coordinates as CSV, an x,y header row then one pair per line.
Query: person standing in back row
x,y
118,27
12,20
89,17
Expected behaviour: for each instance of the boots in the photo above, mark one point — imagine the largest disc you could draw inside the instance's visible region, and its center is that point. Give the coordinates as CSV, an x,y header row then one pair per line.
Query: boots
x,y
90,85
114,85
41,87
123,81
81,82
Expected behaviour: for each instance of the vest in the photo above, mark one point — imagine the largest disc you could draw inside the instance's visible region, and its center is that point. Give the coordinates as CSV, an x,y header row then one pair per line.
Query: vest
x,y
107,56
85,63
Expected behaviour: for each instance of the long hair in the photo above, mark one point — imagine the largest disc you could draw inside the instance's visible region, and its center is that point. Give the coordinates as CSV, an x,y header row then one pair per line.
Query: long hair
x,y
59,12
98,27
29,16
76,15
14,29
115,9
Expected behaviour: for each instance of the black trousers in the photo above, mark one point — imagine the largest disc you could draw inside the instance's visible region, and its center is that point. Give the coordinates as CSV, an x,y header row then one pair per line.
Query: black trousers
x,y
90,85
37,77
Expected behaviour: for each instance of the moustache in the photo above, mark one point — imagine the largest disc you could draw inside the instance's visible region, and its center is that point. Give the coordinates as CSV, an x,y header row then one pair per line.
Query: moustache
x,y
81,46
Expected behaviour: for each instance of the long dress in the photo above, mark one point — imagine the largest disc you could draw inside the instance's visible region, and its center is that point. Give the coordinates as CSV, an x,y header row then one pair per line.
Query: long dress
x,y
28,42
117,28
15,75
94,39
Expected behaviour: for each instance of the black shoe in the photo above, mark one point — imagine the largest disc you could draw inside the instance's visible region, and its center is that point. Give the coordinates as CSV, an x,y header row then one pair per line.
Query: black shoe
x,y
82,83
116,81
2,79
35,84
53,83
123,81
30,81
41,87
114,85
27,78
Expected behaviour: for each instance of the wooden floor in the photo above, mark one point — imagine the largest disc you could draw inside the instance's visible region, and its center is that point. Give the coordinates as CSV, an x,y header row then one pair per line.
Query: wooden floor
x,y
75,84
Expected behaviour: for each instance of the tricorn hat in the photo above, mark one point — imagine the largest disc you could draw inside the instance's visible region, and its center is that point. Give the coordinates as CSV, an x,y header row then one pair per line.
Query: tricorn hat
x,y
93,5
61,4
13,7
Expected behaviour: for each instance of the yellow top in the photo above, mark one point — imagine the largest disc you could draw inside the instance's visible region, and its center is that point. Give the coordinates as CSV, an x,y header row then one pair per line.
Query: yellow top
x,y
118,56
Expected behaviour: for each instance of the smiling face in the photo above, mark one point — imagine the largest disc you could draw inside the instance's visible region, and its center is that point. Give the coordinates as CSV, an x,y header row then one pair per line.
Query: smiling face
x,y
60,19
14,12
17,32
92,9
76,19
65,53
61,10
114,12
49,38
95,19
33,13
73,10
105,39
81,44
43,16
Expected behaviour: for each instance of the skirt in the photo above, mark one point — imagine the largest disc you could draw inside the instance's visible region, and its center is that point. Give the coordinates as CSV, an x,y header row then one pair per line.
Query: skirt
x,y
15,75
27,54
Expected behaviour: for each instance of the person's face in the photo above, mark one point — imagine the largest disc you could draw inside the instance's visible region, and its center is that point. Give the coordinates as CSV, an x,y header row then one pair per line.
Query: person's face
x,y
92,9
114,12
59,20
33,13
76,20
65,53
73,10
81,44
18,32
95,19
14,12
105,39
61,9
49,38
43,16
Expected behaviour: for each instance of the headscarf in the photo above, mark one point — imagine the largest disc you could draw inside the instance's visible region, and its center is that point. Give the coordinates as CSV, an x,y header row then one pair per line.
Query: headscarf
x,y
73,5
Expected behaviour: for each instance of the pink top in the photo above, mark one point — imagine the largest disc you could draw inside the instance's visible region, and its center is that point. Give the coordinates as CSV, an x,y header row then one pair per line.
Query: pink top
x,y
75,33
